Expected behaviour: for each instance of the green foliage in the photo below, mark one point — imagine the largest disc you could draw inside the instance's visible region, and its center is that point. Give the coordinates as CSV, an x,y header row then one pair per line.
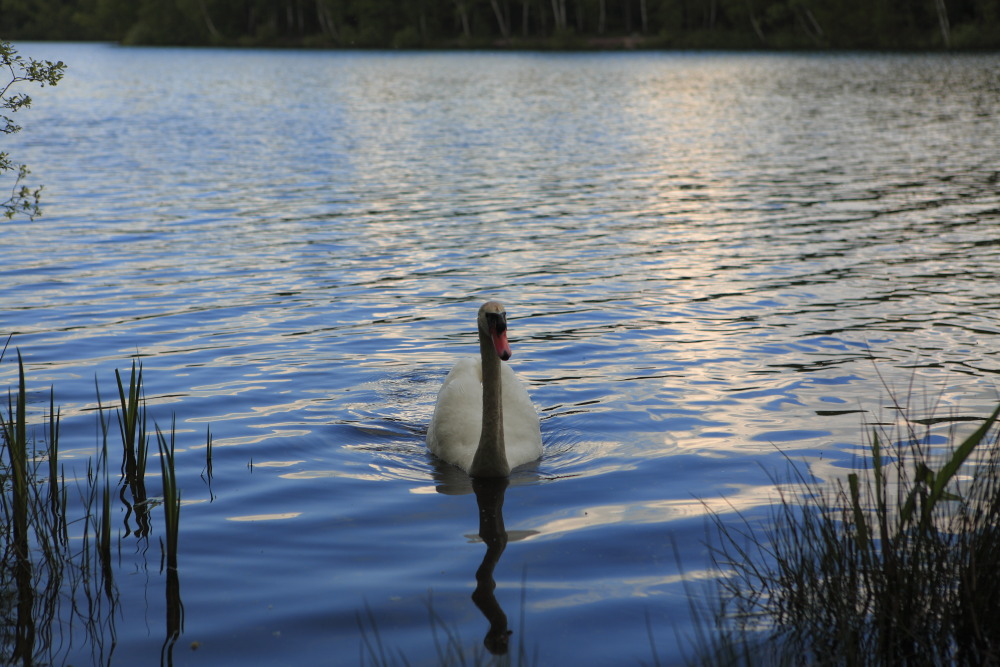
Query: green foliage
x,y
56,571
899,566
39,562
566,24
22,199
171,494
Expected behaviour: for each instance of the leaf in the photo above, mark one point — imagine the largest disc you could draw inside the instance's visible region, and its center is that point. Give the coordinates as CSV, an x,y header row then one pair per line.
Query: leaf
x,y
959,457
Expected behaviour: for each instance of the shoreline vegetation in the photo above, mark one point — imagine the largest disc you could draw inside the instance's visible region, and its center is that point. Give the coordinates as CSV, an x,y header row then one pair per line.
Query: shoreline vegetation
x,y
561,25
897,563
63,529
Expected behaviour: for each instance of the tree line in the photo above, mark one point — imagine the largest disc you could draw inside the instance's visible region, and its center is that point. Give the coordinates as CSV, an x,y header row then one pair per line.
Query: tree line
x,y
559,24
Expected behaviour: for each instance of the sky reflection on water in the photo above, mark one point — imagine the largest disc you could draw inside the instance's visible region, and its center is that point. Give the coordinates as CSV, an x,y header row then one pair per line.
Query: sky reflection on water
x,y
701,255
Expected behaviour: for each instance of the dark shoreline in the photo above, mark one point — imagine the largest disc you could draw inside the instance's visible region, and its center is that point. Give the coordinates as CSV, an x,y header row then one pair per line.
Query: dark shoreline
x,y
597,45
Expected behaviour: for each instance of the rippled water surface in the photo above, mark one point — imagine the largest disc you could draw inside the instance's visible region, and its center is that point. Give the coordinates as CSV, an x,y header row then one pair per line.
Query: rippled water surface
x,y
700,255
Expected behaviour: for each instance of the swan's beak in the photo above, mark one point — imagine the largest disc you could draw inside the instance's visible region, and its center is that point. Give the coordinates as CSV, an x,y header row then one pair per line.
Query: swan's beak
x,y
500,343
498,332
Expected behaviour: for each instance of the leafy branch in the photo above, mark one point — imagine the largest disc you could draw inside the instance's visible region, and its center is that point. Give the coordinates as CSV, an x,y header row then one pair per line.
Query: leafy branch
x,y
22,199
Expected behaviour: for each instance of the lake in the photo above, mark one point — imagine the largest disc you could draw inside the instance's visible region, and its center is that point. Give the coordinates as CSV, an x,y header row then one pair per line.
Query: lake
x,y
710,262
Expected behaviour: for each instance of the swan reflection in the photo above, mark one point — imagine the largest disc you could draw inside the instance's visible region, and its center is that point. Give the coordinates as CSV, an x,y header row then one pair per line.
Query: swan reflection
x,y
489,498
489,492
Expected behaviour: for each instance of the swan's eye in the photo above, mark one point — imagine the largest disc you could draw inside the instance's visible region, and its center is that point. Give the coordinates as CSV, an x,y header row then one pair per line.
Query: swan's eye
x,y
497,322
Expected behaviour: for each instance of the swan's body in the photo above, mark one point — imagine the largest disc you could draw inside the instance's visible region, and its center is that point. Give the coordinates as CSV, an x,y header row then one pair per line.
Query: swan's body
x,y
458,417
484,421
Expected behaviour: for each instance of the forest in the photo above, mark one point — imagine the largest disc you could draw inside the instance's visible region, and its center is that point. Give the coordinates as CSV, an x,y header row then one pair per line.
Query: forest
x,y
514,24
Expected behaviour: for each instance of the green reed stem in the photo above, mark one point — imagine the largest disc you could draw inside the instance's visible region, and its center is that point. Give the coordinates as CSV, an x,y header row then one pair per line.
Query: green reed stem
x,y
53,458
208,452
171,495
829,586
103,523
16,441
132,423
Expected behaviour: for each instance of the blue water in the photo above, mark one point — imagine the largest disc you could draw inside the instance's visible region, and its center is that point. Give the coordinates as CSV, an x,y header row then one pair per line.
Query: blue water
x,y
709,261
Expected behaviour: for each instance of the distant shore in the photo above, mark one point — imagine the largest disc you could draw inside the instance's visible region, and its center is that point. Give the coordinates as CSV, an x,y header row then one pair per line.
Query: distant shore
x,y
536,25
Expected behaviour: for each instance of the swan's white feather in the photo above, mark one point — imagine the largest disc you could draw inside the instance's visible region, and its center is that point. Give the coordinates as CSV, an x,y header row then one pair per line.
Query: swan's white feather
x,y
458,417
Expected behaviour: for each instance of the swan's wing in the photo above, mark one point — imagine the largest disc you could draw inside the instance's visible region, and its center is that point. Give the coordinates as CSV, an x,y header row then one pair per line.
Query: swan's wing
x,y
521,430
453,434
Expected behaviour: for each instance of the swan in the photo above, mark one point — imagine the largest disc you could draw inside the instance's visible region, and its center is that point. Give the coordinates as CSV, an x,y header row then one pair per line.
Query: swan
x,y
484,421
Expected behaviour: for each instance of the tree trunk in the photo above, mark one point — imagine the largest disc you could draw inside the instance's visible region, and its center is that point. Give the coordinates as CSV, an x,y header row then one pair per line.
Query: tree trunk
x,y
501,20
602,16
463,13
559,14
811,26
755,23
942,13
326,22
208,21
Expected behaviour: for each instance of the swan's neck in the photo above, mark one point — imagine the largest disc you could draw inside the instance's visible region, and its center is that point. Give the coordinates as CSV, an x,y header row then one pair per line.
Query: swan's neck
x,y
491,455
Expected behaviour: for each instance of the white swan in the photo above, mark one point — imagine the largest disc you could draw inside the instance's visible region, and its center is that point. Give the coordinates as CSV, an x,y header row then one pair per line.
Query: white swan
x,y
484,421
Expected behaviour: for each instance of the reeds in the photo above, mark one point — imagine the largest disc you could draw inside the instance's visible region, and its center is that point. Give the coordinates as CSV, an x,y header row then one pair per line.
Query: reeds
x,y
898,564
171,527
58,579
132,424
135,447
171,494
37,563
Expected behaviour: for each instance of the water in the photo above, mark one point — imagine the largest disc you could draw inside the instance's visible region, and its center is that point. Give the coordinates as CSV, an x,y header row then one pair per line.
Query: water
x,y
700,255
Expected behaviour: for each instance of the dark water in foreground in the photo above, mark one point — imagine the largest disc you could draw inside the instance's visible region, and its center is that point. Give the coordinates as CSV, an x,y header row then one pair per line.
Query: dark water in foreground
x,y
698,253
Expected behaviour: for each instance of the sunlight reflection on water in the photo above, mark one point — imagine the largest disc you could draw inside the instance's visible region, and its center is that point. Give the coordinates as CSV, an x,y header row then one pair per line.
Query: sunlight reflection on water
x,y
700,255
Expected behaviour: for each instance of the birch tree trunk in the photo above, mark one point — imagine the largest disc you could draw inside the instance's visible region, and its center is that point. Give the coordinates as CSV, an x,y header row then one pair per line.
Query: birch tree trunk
x,y
942,13
463,13
559,14
208,21
326,22
501,20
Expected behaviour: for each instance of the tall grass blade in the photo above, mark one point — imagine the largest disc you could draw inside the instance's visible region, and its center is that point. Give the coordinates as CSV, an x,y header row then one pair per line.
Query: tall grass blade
x,y
171,495
103,525
55,497
135,449
131,422
17,448
860,522
208,453
171,521
822,587
961,453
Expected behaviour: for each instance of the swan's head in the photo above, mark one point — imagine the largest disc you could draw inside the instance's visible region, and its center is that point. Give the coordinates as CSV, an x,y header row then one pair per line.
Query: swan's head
x,y
493,323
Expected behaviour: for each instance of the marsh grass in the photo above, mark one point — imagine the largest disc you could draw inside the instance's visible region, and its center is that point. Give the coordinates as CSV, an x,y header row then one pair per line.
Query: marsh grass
x,y
56,572
171,494
171,530
897,564
46,577
135,448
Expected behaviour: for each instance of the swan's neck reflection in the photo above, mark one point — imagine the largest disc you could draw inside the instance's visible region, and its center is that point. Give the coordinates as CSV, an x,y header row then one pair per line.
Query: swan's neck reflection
x,y
489,497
